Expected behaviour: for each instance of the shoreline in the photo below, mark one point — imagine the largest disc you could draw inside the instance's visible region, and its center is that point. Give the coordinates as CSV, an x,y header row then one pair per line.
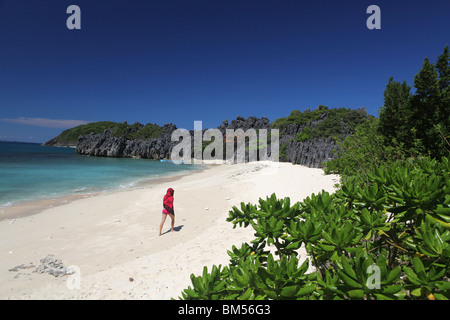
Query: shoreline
x,y
25,208
113,238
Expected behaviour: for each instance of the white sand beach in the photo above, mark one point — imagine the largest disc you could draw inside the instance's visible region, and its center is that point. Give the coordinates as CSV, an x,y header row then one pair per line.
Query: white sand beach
x,y
113,240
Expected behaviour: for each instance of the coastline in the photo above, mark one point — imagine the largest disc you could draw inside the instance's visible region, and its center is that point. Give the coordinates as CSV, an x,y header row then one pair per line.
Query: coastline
x,y
26,208
113,238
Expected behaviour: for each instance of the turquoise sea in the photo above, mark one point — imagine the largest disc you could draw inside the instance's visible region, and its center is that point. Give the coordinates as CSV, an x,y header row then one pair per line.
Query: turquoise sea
x,y
31,172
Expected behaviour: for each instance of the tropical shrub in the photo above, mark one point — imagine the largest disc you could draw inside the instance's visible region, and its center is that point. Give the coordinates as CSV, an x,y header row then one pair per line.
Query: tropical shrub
x,y
387,239
364,151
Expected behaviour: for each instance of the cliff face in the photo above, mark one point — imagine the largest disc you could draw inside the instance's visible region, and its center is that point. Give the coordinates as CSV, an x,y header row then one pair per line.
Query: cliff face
x,y
245,124
312,142
305,138
106,145
311,153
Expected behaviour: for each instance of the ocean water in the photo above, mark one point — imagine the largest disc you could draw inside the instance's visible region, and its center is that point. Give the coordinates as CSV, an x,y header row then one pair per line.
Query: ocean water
x,y
31,172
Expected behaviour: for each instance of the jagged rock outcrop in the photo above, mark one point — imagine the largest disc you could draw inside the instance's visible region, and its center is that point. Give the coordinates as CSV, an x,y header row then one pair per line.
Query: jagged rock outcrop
x,y
312,151
245,124
107,145
315,151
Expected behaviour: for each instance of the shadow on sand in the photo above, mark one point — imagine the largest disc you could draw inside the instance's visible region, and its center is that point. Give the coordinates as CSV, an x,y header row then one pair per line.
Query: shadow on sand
x,y
176,229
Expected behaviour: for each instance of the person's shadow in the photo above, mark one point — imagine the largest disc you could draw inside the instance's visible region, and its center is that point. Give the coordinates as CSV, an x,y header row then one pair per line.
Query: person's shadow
x,y
176,229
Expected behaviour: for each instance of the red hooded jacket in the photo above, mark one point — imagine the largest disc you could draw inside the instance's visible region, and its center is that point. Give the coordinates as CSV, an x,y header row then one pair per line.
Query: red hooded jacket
x,y
168,201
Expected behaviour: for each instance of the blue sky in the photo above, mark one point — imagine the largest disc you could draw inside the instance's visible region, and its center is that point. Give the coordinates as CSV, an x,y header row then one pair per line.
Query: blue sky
x,y
177,61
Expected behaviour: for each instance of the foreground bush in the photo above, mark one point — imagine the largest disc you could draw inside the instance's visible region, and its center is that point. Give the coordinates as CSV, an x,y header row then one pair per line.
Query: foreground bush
x,y
387,240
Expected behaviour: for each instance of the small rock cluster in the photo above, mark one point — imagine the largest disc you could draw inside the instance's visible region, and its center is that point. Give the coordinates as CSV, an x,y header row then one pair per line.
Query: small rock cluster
x,y
53,266
50,264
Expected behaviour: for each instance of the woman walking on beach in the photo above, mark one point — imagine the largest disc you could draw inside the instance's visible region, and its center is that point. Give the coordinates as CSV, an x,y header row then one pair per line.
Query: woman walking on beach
x,y
168,209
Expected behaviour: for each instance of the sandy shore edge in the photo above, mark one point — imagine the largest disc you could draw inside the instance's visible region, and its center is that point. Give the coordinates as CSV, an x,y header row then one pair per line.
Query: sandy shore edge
x,y
29,207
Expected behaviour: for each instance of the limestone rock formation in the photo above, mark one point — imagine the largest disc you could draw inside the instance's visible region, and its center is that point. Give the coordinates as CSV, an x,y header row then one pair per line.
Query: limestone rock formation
x,y
123,140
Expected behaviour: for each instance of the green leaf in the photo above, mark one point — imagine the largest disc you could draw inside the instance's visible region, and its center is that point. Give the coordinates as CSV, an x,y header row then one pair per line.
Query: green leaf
x,y
246,295
348,280
427,252
439,296
380,296
368,235
289,292
271,294
294,246
326,247
393,275
443,210
191,293
306,290
412,277
417,292
429,239
392,289
220,286
328,238
444,286
437,219
419,268
365,217
356,294
348,268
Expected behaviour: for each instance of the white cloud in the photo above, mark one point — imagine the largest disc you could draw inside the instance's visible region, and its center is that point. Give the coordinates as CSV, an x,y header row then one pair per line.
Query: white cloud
x,y
47,123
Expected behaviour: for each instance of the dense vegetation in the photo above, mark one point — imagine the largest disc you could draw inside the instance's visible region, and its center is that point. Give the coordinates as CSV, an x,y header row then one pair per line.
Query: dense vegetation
x,y
322,126
419,122
137,131
134,131
384,234
323,122
410,125
71,135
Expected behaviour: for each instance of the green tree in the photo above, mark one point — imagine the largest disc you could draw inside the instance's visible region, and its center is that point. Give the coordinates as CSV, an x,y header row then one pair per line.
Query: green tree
x,y
362,152
424,107
395,112
443,111
420,122
443,68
